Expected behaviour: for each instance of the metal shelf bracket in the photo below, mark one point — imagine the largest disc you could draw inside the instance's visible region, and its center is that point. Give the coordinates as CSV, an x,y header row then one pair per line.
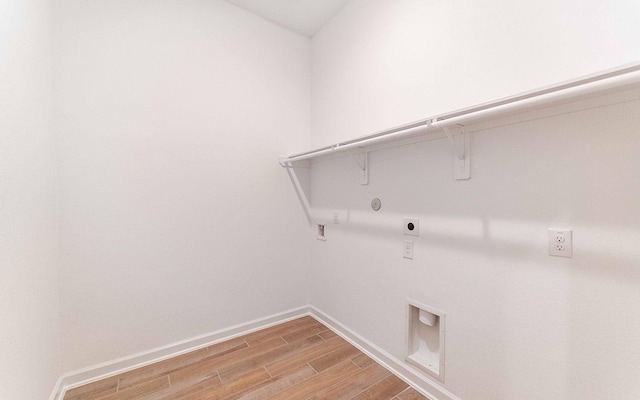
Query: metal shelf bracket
x,y
461,142
362,160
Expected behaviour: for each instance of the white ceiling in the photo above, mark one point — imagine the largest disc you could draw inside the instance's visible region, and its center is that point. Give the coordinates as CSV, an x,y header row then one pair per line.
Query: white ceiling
x,y
303,16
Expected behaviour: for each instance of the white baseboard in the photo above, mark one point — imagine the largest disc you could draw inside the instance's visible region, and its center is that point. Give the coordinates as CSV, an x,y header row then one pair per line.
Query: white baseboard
x,y
58,390
97,372
428,387
412,376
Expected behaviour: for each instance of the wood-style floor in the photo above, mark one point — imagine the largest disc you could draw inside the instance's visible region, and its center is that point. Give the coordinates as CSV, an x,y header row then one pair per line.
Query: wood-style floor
x,y
300,359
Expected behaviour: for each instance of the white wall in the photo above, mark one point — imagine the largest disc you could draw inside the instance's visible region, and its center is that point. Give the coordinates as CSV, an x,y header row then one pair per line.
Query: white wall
x,y
178,219
378,64
29,333
520,324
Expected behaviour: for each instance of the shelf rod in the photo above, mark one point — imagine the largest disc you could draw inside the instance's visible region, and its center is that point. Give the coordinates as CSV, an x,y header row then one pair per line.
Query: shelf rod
x,y
611,79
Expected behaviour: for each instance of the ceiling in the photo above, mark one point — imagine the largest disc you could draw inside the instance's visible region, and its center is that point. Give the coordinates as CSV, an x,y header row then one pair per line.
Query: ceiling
x,y
305,17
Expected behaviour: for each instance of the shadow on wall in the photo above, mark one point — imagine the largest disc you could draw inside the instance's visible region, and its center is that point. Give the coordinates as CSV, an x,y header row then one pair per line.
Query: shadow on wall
x,y
482,254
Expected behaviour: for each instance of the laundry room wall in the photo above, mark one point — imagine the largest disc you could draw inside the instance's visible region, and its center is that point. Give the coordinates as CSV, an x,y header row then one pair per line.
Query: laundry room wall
x,y
178,220
29,307
520,324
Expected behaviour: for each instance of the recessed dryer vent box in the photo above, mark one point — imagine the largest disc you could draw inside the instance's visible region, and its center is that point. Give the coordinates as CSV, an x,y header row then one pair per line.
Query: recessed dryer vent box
x,y
426,339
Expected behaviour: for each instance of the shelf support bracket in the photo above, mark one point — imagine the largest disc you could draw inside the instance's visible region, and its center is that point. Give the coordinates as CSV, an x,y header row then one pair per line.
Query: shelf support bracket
x,y
298,186
461,142
363,165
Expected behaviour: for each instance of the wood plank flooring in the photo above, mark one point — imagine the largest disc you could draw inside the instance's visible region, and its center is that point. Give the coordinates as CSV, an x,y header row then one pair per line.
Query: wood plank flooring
x,y
301,359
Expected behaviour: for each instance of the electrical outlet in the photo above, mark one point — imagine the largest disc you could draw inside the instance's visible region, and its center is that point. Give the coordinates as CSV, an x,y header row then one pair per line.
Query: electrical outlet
x,y
560,243
336,217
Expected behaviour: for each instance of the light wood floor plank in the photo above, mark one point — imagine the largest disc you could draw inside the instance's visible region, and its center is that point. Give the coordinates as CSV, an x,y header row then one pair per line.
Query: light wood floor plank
x,y
263,359
300,359
357,383
304,333
326,335
280,330
386,389
333,358
143,389
297,360
276,384
236,385
363,361
214,364
411,394
317,382
140,375
183,389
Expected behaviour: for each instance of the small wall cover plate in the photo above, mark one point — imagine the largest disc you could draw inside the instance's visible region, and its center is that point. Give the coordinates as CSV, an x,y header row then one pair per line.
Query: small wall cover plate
x,y
320,232
376,204
561,243
411,227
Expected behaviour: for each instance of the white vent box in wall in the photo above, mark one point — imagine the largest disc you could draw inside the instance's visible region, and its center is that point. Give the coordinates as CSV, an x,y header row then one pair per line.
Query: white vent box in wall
x,y
426,339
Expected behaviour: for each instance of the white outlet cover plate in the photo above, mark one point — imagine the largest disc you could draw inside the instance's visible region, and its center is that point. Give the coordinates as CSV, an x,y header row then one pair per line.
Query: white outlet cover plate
x,y
560,242
407,250
416,227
